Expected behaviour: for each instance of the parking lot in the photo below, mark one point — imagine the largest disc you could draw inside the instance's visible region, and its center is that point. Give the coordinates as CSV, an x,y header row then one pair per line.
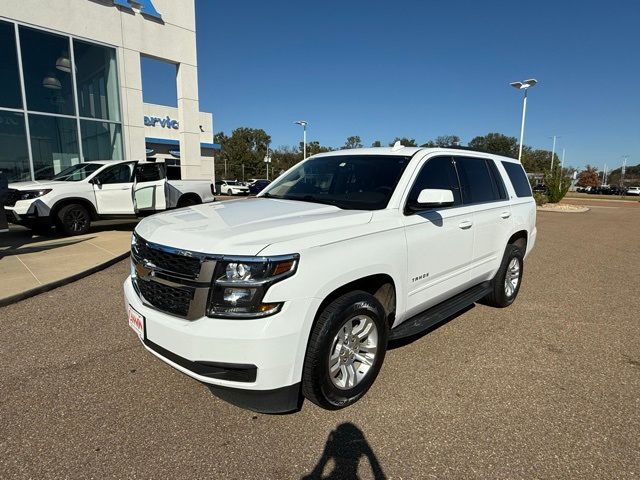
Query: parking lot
x,y
548,388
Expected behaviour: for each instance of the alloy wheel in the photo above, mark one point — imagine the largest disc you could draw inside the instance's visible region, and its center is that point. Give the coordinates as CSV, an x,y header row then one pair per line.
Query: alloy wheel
x,y
353,352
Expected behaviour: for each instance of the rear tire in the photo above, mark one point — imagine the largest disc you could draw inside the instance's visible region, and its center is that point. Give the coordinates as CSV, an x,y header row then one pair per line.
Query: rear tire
x,y
188,200
74,219
506,284
345,352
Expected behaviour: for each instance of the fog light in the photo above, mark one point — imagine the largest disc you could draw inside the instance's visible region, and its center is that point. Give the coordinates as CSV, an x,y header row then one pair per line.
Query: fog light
x,y
235,295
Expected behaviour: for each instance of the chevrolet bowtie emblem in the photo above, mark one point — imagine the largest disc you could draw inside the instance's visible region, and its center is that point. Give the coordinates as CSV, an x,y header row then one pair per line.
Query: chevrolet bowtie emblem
x,y
145,269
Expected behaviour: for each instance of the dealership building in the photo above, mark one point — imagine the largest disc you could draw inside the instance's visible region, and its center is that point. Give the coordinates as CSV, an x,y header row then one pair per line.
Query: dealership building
x,y
71,86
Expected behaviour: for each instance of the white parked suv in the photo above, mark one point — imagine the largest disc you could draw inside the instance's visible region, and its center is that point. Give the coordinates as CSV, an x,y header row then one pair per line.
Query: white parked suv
x,y
633,191
97,190
295,293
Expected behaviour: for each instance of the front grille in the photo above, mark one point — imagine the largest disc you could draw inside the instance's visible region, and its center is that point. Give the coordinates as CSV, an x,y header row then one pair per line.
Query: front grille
x,y
182,265
12,197
175,300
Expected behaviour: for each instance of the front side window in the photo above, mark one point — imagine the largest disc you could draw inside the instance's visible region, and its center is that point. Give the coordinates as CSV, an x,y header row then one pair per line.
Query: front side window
x,y
476,182
122,173
438,173
353,182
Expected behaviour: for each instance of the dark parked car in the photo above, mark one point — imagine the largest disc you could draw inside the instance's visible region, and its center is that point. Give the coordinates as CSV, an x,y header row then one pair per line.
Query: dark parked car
x,y
257,186
540,188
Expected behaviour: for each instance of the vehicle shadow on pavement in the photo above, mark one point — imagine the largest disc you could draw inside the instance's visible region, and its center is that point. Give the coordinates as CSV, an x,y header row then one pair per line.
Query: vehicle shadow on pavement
x,y
16,245
393,344
345,447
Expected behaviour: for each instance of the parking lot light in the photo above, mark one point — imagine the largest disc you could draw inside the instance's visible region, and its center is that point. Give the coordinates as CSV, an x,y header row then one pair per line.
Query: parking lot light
x,y
525,85
304,124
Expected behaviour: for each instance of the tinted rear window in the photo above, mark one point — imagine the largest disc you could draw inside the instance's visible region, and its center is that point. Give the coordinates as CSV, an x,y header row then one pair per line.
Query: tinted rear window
x,y
475,181
518,179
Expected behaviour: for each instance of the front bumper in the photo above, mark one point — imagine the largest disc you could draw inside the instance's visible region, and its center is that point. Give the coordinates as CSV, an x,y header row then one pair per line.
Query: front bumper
x,y
260,361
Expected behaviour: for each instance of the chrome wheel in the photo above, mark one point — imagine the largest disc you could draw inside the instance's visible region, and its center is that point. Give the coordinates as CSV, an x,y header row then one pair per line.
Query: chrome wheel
x,y
512,277
353,352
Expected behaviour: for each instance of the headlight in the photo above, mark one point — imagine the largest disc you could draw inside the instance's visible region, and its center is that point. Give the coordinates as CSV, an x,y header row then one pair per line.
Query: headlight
x,y
240,284
31,194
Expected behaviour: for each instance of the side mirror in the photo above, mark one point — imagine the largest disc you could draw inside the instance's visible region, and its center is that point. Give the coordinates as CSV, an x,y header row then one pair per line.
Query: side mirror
x,y
431,198
95,181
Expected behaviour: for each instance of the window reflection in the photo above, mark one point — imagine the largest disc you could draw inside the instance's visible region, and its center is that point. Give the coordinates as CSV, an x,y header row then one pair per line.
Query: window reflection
x,y
14,154
54,144
10,95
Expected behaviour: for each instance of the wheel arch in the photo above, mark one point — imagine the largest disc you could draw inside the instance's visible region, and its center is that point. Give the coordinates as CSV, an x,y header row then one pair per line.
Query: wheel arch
x,y
520,239
380,285
189,195
74,200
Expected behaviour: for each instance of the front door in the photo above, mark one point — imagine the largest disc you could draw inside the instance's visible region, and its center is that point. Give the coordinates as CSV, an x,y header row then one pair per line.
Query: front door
x,y
150,188
112,188
439,240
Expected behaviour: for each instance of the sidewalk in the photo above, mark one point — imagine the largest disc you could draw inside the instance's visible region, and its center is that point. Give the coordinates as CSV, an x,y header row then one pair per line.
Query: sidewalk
x,y
32,264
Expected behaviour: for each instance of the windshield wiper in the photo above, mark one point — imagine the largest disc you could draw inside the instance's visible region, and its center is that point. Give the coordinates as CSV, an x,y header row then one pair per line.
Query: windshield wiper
x,y
314,199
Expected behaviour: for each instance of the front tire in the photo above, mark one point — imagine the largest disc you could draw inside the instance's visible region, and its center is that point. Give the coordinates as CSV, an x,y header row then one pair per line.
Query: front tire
x,y
345,351
74,220
506,283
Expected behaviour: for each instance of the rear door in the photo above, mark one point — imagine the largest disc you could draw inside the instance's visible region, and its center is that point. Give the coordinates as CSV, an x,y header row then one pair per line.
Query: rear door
x,y
150,188
439,240
112,188
483,189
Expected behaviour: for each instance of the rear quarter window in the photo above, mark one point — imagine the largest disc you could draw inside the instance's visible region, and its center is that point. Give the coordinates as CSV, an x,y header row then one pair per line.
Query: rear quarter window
x,y
518,179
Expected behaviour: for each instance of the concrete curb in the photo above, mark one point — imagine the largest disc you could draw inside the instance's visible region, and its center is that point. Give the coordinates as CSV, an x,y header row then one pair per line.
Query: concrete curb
x,y
59,283
579,210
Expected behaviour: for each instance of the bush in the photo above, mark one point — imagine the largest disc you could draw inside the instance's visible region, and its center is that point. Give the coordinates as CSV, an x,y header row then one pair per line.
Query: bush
x,y
540,198
557,185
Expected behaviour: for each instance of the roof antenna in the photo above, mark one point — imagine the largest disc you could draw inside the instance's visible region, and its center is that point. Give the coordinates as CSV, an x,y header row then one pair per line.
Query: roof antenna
x,y
397,146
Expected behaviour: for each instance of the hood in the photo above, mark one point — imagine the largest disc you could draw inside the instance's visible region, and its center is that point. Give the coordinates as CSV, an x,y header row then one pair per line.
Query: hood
x,y
36,185
245,227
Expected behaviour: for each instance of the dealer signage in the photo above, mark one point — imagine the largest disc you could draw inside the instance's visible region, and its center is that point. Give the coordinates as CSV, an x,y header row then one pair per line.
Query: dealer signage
x,y
166,122
145,7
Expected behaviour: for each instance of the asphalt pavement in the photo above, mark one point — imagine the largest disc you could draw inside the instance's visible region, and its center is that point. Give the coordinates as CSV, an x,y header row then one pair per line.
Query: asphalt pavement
x,y
547,388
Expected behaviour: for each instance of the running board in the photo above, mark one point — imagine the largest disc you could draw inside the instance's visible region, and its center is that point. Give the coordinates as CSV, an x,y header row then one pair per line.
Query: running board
x,y
436,314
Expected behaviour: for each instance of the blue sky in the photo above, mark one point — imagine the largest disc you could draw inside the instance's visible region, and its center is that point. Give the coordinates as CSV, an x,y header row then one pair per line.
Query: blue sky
x,y
382,69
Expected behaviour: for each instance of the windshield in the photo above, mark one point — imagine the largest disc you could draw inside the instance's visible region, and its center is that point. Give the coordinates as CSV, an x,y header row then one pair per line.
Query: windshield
x,y
77,172
353,182
232,182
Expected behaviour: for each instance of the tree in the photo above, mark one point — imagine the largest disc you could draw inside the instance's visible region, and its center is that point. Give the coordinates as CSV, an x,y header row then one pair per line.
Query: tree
x,y
376,143
353,142
443,141
588,177
313,148
245,146
497,144
404,141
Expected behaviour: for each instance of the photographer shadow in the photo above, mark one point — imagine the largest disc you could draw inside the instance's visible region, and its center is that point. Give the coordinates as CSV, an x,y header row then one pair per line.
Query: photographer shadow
x,y
346,446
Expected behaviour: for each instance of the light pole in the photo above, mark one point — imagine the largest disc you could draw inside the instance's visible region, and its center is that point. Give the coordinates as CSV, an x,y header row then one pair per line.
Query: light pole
x,y
525,85
304,124
553,150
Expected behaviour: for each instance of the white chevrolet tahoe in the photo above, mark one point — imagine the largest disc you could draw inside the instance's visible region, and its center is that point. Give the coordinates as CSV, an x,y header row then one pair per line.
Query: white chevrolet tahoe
x,y
100,190
295,293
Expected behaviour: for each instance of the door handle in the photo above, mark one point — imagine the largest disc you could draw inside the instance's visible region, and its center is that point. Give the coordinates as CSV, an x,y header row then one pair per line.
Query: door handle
x,y
505,214
465,225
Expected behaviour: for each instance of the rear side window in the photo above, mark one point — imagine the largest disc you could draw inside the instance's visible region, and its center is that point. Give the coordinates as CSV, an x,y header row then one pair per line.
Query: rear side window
x,y
497,180
518,179
476,182
440,173
149,172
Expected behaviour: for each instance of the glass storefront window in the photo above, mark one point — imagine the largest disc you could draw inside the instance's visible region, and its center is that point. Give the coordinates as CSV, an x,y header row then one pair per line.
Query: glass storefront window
x,y
10,95
14,154
54,144
101,140
47,72
97,81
